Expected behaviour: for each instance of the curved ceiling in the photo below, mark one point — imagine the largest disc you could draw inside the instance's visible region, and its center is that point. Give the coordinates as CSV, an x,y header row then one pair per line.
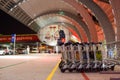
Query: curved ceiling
x,y
88,12
47,20
35,7
87,18
52,18
73,18
70,27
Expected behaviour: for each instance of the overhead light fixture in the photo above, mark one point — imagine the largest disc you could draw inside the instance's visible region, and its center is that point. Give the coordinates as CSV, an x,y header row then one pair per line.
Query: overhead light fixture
x,y
12,8
19,3
15,6
61,12
24,1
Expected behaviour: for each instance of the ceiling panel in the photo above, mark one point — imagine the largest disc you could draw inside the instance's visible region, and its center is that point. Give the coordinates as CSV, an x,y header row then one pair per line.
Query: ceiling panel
x,y
35,7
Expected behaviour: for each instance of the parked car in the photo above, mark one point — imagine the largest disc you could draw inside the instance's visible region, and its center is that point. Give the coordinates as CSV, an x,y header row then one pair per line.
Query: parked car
x,y
34,50
5,50
2,51
21,51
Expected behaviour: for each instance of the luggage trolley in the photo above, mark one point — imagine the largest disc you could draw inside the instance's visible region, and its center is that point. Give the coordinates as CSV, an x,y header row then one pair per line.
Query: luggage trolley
x,y
103,66
84,57
106,65
97,57
80,66
63,66
67,55
88,68
63,55
74,57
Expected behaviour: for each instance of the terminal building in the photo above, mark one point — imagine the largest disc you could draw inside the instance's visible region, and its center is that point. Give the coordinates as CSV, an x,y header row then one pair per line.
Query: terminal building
x,y
65,27
24,40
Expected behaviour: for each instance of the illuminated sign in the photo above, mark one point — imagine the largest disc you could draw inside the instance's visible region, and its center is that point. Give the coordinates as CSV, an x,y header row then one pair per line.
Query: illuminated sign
x,y
20,38
13,38
50,34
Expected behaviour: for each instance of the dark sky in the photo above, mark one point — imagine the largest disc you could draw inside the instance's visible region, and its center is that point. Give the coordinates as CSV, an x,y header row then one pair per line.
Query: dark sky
x,y
9,25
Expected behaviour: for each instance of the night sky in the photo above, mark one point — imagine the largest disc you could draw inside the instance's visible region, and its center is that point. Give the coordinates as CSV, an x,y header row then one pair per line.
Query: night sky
x,y
9,25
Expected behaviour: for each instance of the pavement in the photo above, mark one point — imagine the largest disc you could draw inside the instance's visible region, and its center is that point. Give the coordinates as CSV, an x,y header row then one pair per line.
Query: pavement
x,y
41,67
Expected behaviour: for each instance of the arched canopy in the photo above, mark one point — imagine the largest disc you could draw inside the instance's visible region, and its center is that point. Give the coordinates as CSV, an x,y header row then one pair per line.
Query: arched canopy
x,y
76,18
70,27
53,18
26,10
87,18
104,21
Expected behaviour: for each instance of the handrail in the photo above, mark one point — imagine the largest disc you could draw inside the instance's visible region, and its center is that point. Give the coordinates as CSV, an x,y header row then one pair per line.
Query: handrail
x,y
114,42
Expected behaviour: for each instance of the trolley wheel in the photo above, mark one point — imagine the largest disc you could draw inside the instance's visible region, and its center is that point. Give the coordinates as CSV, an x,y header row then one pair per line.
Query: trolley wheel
x,y
104,69
70,70
60,64
112,68
95,69
98,69
79,70
62,70
87,70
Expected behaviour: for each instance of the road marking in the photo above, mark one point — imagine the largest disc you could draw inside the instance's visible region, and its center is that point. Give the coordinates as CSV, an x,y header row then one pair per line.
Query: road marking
x,y
12,65
53,71
85,76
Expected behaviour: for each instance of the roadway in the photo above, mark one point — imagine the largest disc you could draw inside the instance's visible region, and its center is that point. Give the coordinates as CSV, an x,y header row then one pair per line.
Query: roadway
x,y
41,67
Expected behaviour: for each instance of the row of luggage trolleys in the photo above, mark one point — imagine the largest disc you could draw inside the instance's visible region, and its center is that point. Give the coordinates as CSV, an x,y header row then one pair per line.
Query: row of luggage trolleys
x,y
83,57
